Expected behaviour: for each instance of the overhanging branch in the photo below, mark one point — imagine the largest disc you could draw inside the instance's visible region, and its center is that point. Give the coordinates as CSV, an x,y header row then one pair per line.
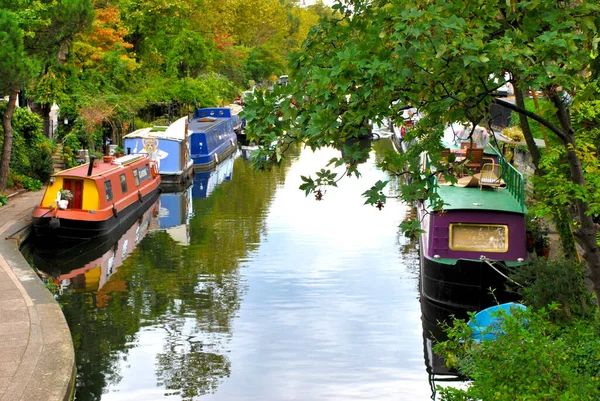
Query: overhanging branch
x,y
535,117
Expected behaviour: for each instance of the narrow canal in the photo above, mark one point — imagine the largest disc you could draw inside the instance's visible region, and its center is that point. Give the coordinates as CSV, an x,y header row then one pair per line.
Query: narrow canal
x,y
242,288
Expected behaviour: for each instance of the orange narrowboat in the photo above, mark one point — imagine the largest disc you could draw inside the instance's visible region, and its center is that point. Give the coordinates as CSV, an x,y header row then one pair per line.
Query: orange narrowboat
x,y
92,200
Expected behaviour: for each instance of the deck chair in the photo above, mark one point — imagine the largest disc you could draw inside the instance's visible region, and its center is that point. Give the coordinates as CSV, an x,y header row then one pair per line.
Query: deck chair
x,y
445,153
490,176
466,145
474,157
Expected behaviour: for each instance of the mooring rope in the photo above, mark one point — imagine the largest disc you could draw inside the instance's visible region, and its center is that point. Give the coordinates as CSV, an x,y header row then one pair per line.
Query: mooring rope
x,y
486,260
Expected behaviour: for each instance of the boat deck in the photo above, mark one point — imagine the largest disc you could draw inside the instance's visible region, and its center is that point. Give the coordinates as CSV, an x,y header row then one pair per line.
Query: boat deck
x,y
473,198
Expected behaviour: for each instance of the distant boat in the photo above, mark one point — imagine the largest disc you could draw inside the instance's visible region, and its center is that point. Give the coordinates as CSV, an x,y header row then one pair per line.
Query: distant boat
x,y
470,245
212,137
239,123
171,148
93,200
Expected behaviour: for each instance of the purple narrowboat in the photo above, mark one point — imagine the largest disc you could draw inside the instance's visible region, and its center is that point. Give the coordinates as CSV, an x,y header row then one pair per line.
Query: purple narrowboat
x,y
469,246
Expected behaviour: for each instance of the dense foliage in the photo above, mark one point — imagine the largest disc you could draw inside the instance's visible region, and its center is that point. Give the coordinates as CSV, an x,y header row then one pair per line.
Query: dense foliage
x,y
535,359
102,61
31,156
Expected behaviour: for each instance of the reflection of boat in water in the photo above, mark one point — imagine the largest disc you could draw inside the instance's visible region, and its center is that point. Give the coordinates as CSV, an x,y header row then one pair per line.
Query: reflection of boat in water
x,y
93,200
175,211
433,317
205,182
89,265
172,151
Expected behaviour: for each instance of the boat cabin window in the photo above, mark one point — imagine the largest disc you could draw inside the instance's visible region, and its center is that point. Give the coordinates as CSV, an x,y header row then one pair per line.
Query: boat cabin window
x,y
108,189
123,183
479,237
136,177
144,173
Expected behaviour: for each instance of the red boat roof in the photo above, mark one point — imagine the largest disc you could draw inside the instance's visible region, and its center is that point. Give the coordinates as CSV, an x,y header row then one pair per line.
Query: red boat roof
x,y
102,168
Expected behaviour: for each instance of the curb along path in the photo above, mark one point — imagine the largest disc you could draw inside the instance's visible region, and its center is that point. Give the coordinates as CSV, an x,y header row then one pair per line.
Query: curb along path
x,y
37,361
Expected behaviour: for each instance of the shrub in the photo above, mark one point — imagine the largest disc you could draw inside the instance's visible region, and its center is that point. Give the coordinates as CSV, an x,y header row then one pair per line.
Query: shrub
x,y
515,133
70,146
3,200
22,181
559,280
41,163
535,360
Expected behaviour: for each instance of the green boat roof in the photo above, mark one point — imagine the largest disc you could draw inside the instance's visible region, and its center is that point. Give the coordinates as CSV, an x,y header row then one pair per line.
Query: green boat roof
x,y
472,198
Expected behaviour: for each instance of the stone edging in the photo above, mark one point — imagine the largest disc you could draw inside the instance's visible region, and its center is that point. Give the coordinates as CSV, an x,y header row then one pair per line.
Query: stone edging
x,y
47,367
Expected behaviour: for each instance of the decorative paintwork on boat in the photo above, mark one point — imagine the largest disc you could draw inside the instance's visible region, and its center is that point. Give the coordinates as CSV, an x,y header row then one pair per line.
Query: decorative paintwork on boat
x,y
469,246
212,137
172,151
106,196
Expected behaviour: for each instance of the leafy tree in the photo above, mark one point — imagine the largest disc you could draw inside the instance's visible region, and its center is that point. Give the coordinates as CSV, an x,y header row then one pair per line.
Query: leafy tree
x,y
50,39
380,57
16,69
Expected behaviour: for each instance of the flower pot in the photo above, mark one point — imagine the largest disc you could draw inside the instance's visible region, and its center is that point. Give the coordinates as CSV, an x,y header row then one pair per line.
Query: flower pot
x,y
543,252
107,159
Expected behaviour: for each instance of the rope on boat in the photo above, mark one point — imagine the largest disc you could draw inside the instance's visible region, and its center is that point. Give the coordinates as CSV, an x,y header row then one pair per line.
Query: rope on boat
x,y
486,260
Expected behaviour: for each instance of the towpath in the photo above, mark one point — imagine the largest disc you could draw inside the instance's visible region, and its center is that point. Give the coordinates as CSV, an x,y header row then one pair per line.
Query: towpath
x,y
37,361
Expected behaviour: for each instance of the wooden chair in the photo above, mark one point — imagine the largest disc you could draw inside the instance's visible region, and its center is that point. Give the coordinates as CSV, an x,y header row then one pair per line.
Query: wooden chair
x,y
491,176
474,158
466,145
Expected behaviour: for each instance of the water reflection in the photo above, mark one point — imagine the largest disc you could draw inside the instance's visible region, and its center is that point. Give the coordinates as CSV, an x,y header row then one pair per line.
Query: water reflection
x,y
206,181
88,266
434,318
257,292
175,211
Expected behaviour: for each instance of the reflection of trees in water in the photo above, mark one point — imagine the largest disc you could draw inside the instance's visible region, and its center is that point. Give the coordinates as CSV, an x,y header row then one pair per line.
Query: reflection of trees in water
x,y
190,366
99,336
194,292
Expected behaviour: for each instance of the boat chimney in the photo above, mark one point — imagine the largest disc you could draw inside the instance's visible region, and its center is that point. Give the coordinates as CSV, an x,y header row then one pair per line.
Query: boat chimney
x,y
128,151
92,159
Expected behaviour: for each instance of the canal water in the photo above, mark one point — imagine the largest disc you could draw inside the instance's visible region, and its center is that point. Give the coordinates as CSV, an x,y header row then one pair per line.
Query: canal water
x,y
243,288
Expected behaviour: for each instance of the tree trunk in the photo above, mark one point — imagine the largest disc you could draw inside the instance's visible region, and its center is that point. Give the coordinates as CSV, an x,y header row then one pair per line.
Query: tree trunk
x,y
8,138
587,233
524,124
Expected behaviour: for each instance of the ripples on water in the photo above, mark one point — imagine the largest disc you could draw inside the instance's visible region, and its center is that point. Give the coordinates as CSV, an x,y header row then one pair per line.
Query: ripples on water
x,y
264,294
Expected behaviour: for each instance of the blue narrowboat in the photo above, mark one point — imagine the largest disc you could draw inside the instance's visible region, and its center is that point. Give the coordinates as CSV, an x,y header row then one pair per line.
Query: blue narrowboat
x,y
170,147
212,137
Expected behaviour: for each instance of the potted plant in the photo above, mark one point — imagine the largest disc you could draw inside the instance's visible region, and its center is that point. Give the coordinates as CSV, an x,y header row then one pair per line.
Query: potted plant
x,y
65,196
542,241
119,151
532,228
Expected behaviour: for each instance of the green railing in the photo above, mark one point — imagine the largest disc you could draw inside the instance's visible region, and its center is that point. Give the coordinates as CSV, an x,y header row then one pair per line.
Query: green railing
x,y
515,183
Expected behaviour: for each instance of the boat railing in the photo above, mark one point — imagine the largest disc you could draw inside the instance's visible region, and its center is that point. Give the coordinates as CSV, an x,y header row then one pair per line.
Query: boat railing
x,y
515,183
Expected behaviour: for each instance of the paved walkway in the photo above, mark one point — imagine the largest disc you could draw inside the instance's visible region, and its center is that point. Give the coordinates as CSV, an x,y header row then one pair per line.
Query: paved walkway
x,y
37,361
